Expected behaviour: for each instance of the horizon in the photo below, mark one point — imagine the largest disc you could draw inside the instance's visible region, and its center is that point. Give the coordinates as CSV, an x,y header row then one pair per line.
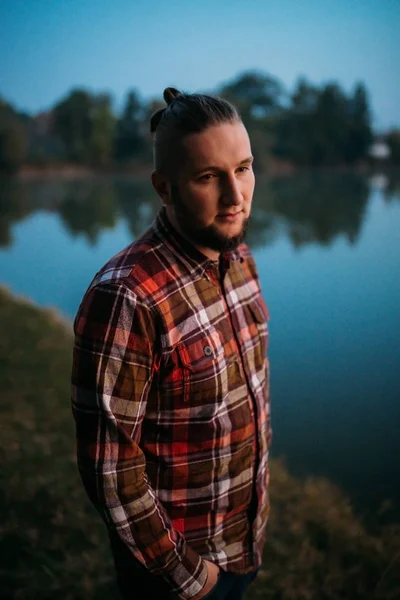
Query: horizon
x,y
48,50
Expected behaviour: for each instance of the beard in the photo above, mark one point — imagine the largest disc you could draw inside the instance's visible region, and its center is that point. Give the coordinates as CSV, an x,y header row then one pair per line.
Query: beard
x,y
206,237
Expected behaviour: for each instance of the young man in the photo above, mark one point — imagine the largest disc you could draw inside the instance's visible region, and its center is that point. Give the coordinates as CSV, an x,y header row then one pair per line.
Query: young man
x,y
170,382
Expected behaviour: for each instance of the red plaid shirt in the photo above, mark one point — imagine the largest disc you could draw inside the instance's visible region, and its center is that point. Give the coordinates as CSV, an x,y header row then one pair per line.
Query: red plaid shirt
x,y
170,395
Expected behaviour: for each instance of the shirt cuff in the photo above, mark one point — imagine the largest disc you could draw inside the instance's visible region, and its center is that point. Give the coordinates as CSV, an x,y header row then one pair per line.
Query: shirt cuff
x,y
189,576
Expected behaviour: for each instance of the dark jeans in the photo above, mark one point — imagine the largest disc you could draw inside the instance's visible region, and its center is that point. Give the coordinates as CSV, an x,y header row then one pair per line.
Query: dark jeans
x,y
136,583
230,586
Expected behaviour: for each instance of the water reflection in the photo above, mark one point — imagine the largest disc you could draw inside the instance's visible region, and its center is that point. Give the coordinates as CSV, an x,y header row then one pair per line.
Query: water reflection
x,y
88,209
392,189
312,208
318,208
14,206
138,204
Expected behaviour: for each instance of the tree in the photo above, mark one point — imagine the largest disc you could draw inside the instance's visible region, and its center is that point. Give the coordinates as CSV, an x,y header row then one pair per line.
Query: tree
x,y
256,94
324,127
359,131
13,139
296,133
305,97
102,130
130,140
73,124
330,124
258,98
44,146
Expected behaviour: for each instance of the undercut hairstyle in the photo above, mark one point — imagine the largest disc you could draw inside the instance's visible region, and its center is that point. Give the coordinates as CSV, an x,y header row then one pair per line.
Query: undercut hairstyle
x,y
185,114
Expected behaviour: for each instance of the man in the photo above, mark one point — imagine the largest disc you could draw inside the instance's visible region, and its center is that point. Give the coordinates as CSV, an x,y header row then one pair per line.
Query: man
x,y
170,382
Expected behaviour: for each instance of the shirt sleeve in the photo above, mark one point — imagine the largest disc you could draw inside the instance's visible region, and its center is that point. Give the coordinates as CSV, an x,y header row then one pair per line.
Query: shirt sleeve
x,y
113,365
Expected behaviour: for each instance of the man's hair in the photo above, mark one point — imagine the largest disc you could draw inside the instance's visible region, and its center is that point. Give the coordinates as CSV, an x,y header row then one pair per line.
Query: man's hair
x,y
183,115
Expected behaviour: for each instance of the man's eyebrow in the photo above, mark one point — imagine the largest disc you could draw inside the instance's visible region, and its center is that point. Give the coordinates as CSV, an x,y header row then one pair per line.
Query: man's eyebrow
x,y
245,161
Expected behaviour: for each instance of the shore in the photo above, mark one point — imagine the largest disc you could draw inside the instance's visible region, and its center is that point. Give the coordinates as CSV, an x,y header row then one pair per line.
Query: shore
x,y
275,169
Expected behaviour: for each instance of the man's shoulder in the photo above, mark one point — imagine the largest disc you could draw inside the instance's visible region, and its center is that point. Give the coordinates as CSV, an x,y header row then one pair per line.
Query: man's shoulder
x,y
119,266
133,265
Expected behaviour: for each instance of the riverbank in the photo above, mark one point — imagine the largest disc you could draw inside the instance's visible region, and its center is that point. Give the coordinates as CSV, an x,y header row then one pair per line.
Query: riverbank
x,y
53,544
275,168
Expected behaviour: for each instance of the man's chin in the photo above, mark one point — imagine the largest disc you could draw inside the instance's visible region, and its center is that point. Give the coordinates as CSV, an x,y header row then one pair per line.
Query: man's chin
x,y
216,240
221,238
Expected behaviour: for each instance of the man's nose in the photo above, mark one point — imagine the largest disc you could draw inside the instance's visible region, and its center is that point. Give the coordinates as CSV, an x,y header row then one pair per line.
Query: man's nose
x,y
231,193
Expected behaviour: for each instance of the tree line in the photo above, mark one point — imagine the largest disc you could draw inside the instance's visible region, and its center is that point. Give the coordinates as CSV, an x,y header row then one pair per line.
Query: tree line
x,y
309,126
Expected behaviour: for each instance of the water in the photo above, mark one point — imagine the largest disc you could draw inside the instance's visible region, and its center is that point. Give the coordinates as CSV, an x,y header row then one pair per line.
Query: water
x,y
328,254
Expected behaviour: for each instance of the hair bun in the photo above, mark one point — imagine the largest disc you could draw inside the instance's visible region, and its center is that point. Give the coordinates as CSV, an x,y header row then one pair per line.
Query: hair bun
x,y
171,94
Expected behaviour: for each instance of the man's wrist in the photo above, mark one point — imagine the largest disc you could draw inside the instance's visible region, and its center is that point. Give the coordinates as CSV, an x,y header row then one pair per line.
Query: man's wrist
x,y
211,581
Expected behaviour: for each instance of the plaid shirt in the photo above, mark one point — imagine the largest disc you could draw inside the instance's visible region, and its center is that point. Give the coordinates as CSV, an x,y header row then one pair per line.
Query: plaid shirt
x,y
170,395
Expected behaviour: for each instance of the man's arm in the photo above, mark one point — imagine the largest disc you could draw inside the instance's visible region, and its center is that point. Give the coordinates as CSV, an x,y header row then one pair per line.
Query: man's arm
x,y
113,366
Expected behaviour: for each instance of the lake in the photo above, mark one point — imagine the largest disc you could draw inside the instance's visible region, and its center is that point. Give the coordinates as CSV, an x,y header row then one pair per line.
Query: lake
x,y
328,253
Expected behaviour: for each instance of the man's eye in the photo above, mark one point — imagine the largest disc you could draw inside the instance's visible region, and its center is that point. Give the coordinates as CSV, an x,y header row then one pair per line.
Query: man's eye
x,y
206,177
243,169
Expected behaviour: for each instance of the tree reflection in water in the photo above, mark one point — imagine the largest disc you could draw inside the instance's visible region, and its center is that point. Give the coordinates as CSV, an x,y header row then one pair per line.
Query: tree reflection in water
x,y
308,208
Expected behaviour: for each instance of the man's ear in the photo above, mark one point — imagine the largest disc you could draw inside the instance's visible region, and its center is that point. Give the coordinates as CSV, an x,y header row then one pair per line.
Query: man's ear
x,y
162,186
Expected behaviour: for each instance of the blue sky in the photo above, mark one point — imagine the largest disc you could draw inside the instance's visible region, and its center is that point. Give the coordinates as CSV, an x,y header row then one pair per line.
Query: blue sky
x,y
49,46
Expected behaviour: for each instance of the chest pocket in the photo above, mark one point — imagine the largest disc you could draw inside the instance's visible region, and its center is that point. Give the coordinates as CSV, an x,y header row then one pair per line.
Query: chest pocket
x,y
204,372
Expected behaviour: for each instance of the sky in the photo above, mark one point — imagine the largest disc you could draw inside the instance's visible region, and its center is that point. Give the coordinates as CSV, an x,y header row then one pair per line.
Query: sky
x,y
48,47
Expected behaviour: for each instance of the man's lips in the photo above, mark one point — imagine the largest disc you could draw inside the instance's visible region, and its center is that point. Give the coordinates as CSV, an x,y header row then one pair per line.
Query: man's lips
x,y
230,216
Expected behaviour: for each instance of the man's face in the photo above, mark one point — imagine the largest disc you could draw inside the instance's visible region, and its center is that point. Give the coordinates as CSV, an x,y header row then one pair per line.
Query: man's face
x,y
211,199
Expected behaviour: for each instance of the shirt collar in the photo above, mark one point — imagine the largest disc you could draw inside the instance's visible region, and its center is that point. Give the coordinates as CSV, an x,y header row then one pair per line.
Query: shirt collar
x,y
185,251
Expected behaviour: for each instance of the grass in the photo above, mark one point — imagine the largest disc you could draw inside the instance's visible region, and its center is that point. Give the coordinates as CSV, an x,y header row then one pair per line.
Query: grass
x,y
53,544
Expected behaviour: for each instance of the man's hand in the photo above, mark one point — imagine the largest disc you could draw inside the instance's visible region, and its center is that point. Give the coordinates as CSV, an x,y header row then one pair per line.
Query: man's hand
x,y
213,571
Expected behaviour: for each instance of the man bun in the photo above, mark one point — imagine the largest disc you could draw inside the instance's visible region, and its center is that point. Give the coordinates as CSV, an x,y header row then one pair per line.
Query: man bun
x,y
171,94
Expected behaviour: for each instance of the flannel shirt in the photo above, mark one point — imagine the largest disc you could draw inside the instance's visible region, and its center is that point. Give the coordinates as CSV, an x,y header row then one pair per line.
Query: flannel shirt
x,y
170,397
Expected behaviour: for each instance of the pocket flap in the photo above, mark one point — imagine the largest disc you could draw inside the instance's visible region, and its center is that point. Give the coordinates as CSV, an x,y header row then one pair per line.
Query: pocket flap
x,y
199,354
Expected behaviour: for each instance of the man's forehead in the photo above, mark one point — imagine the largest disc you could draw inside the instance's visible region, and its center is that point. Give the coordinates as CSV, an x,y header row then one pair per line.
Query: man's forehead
x,y
223,142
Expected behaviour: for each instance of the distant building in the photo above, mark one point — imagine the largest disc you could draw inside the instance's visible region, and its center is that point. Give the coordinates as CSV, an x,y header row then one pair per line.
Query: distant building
x,y
379,150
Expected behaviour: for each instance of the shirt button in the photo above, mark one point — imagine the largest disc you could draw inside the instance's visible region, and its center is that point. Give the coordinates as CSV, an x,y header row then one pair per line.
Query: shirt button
x,y
208,350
